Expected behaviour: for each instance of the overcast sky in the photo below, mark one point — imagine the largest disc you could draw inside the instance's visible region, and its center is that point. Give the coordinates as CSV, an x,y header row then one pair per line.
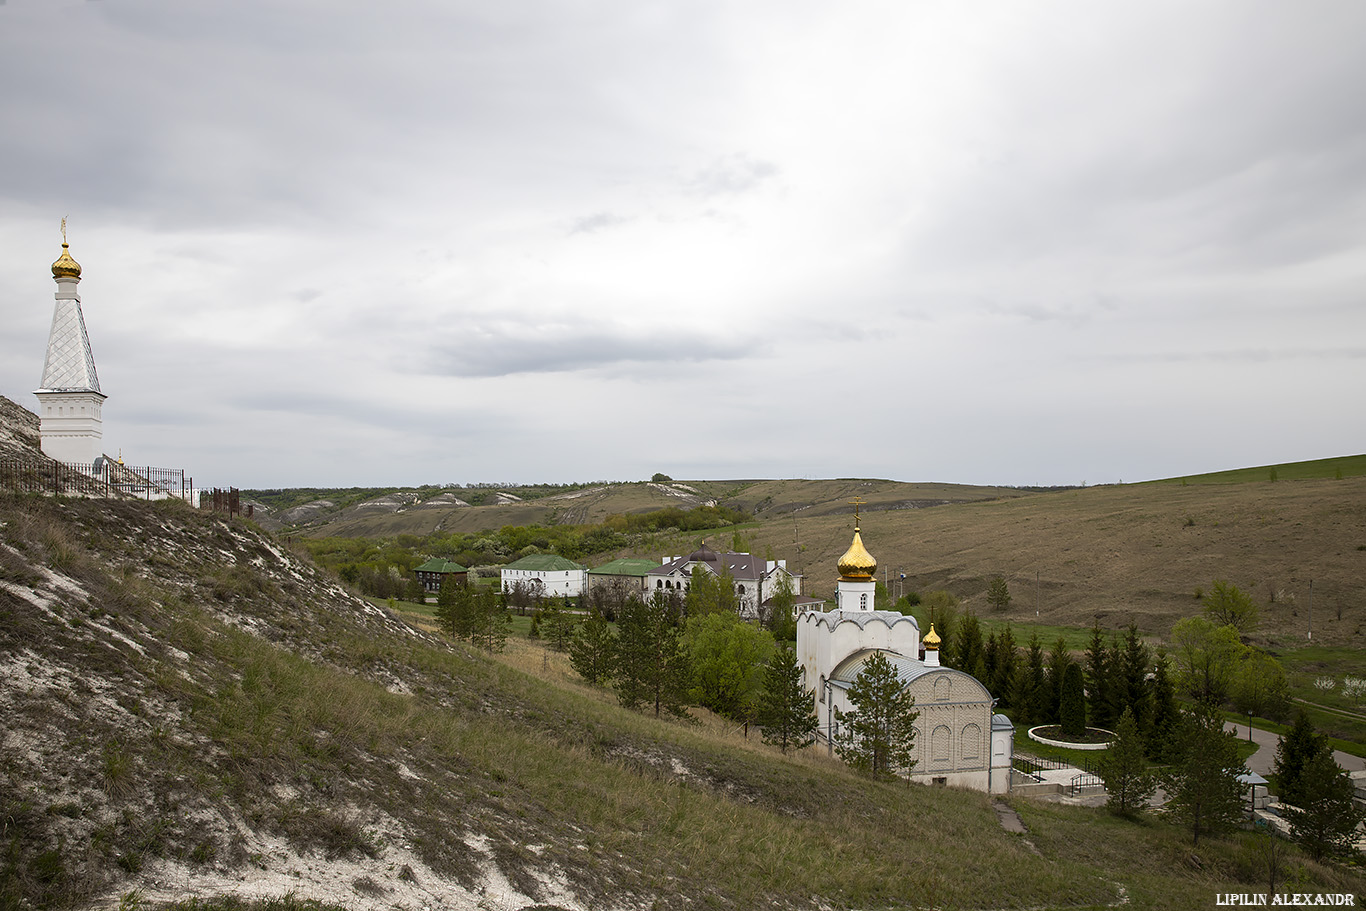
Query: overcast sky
x,y
339,243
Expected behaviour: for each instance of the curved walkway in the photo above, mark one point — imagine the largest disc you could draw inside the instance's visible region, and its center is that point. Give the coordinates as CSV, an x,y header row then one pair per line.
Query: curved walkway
x,y
1262,760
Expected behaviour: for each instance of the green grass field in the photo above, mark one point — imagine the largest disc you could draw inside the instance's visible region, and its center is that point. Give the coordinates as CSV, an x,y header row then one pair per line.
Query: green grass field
x,y
1337,468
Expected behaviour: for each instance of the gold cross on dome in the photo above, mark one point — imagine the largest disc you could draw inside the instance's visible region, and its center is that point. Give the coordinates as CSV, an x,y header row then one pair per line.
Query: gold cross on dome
x,y
63,230
857,502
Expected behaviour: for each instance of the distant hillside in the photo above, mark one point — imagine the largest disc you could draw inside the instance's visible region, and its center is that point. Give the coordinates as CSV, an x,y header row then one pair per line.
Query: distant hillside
x,y
1121,553
380,513
1336,468
188,709
191,710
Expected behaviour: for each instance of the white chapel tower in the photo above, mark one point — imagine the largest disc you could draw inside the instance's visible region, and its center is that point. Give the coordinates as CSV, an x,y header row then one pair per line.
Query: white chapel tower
x,y
69,397
856,589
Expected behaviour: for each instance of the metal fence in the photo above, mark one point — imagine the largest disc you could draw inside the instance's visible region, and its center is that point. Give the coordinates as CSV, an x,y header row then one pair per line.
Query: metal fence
x,y
102,478
1024,762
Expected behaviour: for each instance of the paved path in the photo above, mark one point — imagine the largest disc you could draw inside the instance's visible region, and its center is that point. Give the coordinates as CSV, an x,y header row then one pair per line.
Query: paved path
x,y
1262,760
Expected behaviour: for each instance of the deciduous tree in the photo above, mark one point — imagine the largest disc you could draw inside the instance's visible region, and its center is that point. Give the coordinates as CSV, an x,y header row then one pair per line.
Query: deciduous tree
x,y
727,656
1206,658
1259,685
1227,605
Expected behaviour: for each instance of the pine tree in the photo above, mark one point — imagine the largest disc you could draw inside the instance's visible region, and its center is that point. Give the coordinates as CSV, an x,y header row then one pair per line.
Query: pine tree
x,y
1325,819
1165,724
968,648
1133,661
1125,770
1031,685
786,711
560,625
1003,675
1072,710
1203,786
489,621
1099,691
593,650
878,734
1059,657
456,609
1296,749
652,667
998,594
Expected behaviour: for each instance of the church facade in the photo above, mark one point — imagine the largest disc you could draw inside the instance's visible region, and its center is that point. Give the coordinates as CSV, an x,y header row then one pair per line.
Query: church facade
x,y
959,741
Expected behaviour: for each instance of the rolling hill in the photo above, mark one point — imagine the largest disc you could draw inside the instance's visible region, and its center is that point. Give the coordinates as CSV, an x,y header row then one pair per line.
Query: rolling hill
x,y
191,709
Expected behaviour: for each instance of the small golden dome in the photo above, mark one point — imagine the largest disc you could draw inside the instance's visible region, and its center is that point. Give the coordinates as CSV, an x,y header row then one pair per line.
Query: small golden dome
x,y
857,565
931,639
65,266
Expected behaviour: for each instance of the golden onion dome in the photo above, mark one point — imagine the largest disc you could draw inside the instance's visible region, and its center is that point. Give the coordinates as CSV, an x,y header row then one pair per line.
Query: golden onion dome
x,y
857,565
65,266
931,639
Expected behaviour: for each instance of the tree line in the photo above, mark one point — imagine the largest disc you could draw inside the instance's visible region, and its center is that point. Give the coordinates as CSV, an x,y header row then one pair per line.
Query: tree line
x,y
383,567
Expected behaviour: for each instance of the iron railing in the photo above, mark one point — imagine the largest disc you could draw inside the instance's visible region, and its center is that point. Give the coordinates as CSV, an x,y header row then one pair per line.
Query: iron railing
x,y
102,478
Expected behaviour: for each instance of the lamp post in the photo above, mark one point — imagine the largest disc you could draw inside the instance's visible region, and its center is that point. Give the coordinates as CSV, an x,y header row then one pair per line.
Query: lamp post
x,y
1249,725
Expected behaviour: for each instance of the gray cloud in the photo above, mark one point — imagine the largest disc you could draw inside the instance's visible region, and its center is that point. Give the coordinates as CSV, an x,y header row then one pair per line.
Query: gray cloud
x,y
309,228
496,348
598,221
731,175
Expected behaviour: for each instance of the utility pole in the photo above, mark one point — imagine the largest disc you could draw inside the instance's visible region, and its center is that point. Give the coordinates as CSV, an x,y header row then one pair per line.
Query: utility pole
x,y
1036,594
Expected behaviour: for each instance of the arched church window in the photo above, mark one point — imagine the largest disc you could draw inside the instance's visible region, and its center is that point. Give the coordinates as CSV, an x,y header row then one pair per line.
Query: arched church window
x,y
863,601
943,688
939,744
972,742
659,583
822,689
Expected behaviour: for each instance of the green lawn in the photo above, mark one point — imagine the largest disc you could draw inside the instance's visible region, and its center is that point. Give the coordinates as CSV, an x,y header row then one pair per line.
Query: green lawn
x,y
1340,467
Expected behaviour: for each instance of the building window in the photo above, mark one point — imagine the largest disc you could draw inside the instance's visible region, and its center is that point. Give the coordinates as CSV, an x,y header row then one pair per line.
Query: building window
x,y
863,601
972,741
939,744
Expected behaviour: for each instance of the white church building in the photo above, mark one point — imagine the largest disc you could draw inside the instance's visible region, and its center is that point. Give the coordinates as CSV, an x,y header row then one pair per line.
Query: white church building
x,y
958,740
69,398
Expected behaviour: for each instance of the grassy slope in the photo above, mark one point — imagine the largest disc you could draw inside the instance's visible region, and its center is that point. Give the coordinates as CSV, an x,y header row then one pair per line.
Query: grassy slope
x,y
1337,467
1134,552
240,696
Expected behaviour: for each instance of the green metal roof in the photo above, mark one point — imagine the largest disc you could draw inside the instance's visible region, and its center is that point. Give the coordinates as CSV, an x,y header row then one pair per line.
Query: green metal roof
x,y
626,566
437,565
544,563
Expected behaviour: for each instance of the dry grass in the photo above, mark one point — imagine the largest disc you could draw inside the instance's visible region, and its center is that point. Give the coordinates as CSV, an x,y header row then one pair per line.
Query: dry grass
x,y
181,718
1118,554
